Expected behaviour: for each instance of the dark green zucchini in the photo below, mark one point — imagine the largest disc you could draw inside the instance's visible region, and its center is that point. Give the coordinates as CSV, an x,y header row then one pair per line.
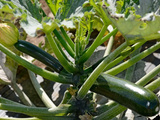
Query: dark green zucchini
x,y
39,54
134,97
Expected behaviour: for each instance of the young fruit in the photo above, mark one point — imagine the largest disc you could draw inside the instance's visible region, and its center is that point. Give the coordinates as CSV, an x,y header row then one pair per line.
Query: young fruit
x,y
38,54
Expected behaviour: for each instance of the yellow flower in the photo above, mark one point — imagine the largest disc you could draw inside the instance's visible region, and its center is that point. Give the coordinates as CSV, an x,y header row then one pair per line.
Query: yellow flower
x,y
8,34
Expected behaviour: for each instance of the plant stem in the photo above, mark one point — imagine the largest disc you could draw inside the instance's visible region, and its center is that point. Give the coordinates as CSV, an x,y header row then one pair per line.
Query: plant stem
x,y
109,46
65,63
70,42
77,46
145,79
109,105
32,118
94,75
36,111
51,6
64,43
58,118
130,71
6,101
108,36
94,45
42,94
120,58
42,118
133,60
5,82
42,72
60,48
153,85
23,97
111,113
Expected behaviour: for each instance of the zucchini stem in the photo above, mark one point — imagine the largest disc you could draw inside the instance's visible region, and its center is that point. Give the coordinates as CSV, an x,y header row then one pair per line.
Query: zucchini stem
x,y
120,58
153,85
94,45
133,60
105,38
65,63
42,94
67,38
64,43
109,46
30,118
130,71
42,72
36,111
145,79
94,75
51,6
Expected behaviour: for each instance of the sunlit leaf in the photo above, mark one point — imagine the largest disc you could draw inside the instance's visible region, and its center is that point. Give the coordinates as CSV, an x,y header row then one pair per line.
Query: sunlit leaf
x,y
30,14
135,27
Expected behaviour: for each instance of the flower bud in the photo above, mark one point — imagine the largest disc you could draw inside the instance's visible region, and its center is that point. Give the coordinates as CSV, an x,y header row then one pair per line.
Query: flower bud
x,y
8,34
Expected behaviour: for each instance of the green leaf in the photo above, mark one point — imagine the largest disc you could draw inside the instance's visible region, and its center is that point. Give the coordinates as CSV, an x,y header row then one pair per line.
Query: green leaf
x,y
33,9
30,14
72,8
97,5
135,27
49,25
54,5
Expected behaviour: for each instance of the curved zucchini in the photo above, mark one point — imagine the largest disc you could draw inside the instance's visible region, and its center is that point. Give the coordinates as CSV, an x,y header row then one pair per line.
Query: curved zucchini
x,y
134,97
39,54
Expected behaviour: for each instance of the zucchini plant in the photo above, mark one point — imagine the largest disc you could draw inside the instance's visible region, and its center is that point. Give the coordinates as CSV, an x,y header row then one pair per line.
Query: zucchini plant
x,y
100,78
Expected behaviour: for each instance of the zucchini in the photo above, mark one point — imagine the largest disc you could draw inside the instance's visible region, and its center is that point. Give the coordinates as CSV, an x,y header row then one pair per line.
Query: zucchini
x,y
39,54
128,94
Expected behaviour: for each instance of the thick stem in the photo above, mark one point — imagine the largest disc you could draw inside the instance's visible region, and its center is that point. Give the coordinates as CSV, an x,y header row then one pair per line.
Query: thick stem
x,y
64,43
133,60
58,118
130,71
36,111
23,97
42,72
111,113
65,63
42,94
91,49
122,57
108,36
94,75
68,39
32,118
153,85
6,101
109,46
145,79
51,6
